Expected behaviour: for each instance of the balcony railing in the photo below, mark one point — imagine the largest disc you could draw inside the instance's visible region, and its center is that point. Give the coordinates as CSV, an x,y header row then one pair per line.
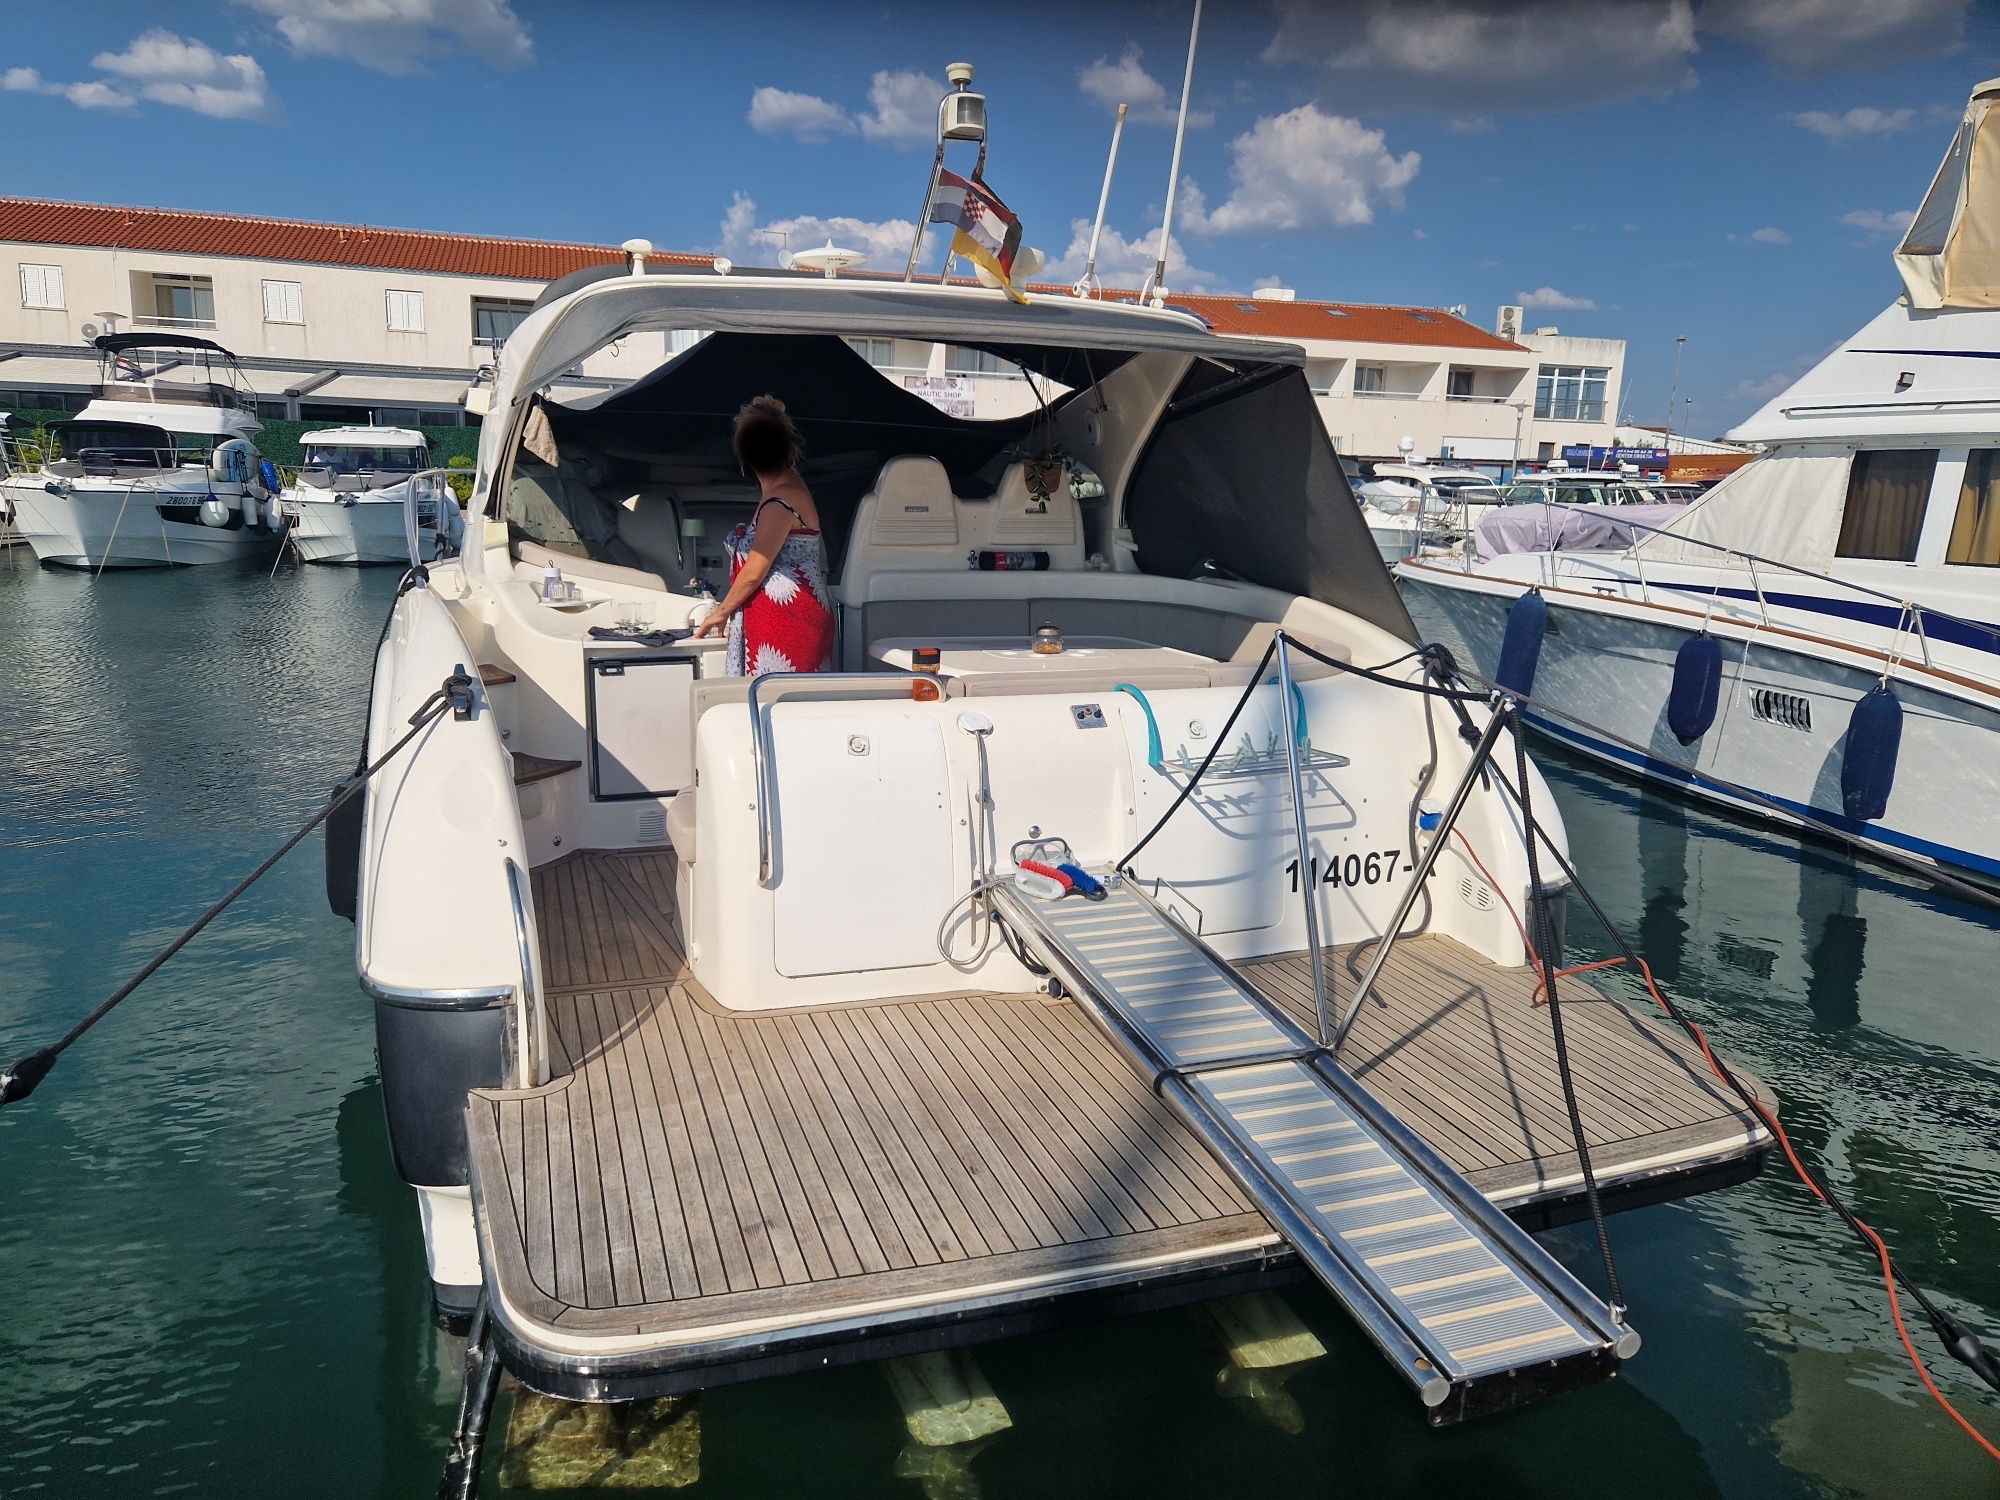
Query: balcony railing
x,y
1582,411
1390,395
146,321
1479,400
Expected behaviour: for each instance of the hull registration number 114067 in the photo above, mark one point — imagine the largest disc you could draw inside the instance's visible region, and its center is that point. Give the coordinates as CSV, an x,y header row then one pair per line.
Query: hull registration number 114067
x,y
1371,868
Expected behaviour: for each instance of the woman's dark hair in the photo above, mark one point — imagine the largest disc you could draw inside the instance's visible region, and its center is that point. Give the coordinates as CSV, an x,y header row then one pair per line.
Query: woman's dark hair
x,y
765,441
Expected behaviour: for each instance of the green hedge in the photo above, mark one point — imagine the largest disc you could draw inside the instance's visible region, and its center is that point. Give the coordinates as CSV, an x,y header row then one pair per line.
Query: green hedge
x,y
279,441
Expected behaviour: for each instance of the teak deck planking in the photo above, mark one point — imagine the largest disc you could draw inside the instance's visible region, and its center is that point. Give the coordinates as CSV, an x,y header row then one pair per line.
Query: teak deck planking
x,y
693,1169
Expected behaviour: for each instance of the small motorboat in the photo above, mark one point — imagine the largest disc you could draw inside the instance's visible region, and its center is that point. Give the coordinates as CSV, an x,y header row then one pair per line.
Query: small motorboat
x,y
348,501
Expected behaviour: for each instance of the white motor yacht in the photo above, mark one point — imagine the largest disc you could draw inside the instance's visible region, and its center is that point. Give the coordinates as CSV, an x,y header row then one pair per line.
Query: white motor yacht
x,y
347,503
1001,977
1413,506
1817,638
159,469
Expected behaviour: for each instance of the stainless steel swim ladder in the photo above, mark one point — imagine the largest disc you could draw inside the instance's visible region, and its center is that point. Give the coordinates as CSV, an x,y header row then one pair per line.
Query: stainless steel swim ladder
x,y
1468,1308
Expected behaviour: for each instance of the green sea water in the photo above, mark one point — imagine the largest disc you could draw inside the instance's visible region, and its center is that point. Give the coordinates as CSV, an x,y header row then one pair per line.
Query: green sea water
x,y
212,1284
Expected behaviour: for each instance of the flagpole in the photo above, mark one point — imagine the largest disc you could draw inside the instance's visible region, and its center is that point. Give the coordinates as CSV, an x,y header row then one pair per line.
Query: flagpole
x,y
1083,285
924,218
1174,174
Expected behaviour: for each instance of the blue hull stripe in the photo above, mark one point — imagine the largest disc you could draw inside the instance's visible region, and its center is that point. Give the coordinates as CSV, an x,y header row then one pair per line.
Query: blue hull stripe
x,y
1958,633
1874,833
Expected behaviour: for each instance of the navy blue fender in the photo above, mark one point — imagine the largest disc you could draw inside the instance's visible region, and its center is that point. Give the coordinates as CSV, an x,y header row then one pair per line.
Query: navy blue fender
x,y
1521,651
1697,688
1868,768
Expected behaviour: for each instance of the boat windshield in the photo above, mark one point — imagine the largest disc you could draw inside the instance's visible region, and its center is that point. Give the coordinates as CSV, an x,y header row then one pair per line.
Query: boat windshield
x,y
126,445
1470,492
343,458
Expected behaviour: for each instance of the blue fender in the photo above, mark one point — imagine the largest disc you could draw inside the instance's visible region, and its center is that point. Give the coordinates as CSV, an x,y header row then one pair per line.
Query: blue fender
x,y
1868,766
1521,651
1697,688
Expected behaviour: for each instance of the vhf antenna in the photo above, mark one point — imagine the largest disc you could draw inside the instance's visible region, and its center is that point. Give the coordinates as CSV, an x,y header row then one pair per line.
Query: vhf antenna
x,y
1087,283
1174,174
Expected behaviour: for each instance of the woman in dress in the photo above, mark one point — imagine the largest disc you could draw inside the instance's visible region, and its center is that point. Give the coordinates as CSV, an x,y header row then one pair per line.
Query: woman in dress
x,y
777,611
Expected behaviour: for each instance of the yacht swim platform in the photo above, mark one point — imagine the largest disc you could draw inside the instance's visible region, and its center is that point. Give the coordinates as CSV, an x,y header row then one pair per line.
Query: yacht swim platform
x,y
699,1196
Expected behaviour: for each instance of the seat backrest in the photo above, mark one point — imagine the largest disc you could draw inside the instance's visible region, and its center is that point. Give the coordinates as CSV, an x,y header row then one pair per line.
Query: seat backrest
x,y
1019,519
909,520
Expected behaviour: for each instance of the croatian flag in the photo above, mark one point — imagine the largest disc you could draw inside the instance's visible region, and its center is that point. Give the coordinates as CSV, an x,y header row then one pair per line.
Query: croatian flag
x,y
988,233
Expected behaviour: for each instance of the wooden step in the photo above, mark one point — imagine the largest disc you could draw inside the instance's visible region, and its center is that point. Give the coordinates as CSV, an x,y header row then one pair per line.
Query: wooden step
x,y
529,769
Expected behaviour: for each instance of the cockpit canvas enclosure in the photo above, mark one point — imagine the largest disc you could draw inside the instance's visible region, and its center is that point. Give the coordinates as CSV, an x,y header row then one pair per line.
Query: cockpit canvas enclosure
x,y
1950,256
1232,474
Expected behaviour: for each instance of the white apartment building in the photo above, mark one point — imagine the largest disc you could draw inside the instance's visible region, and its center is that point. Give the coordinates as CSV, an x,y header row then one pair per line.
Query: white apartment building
x,y
347,323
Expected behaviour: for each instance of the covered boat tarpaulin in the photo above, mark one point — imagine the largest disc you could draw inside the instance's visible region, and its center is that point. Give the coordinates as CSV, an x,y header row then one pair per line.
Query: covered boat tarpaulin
x,y
1951,255
1786,508
1241,472
1570,528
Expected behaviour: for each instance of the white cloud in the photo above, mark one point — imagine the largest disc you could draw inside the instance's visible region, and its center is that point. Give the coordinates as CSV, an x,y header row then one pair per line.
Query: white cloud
x,y
1123,262
189,74
1815,36
1770,236
1879,224
1126,82
886,243
1304,170
1855,122
1761,390
93,94
807,116
905,109
1464,57
1548,299
395,36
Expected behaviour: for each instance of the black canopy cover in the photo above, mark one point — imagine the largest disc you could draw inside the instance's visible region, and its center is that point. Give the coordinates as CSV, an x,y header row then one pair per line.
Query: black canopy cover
x,y
1240,470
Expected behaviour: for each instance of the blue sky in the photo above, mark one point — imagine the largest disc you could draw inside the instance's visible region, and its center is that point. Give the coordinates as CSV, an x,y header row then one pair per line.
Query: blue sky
x,y
1730,170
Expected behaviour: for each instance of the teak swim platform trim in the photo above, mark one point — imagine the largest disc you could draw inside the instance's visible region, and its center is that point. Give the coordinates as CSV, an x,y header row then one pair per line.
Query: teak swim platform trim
x,y
700,1196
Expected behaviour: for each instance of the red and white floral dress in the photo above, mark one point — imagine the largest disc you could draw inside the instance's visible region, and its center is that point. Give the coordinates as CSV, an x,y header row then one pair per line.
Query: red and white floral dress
x,y
788,624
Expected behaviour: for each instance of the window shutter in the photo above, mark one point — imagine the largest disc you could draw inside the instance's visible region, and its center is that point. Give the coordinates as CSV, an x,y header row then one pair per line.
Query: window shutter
x,y
42,286
284,302
406,312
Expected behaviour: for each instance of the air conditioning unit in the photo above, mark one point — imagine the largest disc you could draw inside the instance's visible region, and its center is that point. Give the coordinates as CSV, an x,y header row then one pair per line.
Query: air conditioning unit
x,y
1509,325
964,116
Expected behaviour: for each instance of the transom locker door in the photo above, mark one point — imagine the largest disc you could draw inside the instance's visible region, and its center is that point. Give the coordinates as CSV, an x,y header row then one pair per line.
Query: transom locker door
x,y
863,840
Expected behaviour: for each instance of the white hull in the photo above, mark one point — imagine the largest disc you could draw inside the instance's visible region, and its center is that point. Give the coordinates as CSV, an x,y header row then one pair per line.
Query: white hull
x,y
1610,661
122,527
368,531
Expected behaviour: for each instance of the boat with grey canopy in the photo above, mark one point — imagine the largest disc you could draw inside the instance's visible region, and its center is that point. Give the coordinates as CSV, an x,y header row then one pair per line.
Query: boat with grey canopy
x,y
813,1018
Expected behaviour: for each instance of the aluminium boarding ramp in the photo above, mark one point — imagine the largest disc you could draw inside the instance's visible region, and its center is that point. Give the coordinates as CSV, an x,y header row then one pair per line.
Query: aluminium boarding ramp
x,y
1471,1310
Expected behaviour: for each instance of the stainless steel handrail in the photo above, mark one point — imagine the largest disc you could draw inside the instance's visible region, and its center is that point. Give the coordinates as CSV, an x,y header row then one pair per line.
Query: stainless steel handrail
x,y
527,1059
412,527
763,754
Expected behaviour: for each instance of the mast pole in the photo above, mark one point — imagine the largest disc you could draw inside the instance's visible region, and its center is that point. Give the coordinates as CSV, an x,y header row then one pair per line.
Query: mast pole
x,y
1174,173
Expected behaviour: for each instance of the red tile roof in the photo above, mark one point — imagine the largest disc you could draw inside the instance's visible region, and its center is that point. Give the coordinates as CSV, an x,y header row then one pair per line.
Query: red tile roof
x,y
31,221
1349,322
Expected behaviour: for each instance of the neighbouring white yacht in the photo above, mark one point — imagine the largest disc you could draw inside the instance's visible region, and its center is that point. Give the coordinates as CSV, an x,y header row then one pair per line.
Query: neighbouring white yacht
x,y
990,981
1413,506
159,469
347,504
1822,629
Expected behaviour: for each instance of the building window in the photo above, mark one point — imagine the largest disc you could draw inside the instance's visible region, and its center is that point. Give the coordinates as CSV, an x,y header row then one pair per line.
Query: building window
x,y
406,312
1321,374
680,340
1975,531
975,362
1370,380
161,300
494,319
1571,393
42,286
284,302
1545,453
1458,385
1886,492
881,353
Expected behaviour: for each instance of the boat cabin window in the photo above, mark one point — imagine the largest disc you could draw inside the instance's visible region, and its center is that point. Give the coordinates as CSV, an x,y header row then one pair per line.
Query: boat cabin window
x,y
1887,489
121,445
345,458
1975,531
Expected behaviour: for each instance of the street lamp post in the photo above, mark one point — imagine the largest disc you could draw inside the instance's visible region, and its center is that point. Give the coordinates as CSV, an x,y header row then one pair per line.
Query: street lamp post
x,y
1680,343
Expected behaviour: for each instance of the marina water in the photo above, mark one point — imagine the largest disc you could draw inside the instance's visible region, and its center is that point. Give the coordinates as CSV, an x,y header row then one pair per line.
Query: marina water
x,y
214,1282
